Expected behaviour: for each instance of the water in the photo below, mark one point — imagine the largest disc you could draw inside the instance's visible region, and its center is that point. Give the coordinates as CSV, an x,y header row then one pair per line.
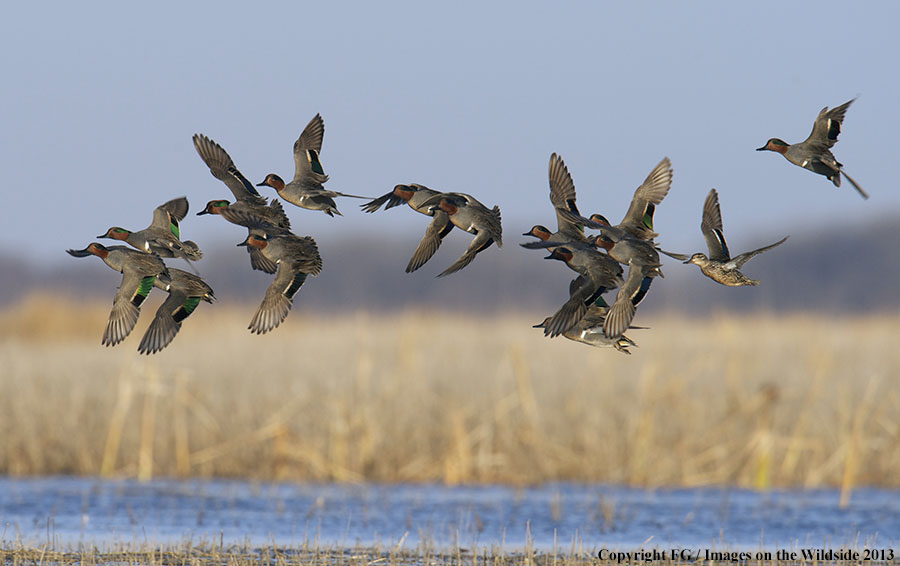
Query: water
x,y
72,511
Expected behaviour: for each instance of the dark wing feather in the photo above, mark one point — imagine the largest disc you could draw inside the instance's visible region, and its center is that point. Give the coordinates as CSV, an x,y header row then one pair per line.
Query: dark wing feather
x,y
439,227
562,196
582,292
374,204
480,242
222,168
740,260
260,262
827,126
163,328
622,312
647,196
276,304
306,152
126,307
711,226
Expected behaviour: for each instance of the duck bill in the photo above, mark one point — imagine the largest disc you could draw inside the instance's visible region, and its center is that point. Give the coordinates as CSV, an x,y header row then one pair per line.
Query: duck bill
x,y
244,243
202,212
103,235
686,262
79,253
763,148
263,184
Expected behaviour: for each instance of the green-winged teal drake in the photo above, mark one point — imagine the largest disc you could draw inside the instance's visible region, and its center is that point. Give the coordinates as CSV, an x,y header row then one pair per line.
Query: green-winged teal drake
x,y
139,273
719,265
597,273
186,290
638,221
589,330
297,257
814,153
222,167
163,236
642,258
416,196
306,190
562,197
467,213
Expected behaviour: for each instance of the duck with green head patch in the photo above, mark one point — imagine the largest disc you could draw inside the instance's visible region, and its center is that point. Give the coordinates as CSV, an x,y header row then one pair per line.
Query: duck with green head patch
x,y
589,330
186,290
466,213
597,273
416,196
814,153
163,236
306,190
638,221
248,200
296,257
562,197
140,271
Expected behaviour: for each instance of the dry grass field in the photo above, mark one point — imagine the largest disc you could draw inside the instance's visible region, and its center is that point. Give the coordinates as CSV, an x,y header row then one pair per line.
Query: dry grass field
x,y
436,397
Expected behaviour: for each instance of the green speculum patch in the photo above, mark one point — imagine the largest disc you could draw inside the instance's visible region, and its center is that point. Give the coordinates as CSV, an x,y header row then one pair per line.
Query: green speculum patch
x,y
186,309
173,226
315,163
648,216
295,285
143,290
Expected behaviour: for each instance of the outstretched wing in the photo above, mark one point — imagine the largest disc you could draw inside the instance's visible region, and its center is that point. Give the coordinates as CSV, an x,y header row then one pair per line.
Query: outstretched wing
x,y
164,326
647,196
562,196
745,257
582,292
127,306
630,294
277,303
167,216
306,152
439,227
222,168
711,226
480,242
827,126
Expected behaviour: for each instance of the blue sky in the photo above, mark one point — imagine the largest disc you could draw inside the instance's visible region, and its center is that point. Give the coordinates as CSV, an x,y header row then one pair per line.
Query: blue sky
x,y
100,102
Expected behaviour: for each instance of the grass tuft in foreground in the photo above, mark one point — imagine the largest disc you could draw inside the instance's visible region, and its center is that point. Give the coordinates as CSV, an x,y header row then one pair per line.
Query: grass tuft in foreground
x,y
754,401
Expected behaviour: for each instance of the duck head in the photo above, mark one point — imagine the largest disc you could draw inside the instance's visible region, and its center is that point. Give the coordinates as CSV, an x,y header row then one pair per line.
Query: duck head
x,y
604,242
540,232
94,248
600,219
774,144
698,258
562,254
115,233
255,241
274,181
405,192
214,207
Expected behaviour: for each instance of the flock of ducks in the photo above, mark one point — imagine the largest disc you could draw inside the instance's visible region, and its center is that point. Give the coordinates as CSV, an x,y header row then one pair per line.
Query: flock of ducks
x,y
597,259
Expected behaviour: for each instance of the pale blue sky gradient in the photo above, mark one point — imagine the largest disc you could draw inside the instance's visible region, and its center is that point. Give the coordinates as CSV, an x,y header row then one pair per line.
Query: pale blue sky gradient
x,y
100,103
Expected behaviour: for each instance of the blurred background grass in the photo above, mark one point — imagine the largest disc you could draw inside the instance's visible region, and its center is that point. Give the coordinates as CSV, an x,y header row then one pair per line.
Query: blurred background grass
x,y
430,396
